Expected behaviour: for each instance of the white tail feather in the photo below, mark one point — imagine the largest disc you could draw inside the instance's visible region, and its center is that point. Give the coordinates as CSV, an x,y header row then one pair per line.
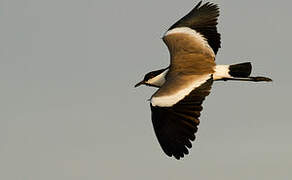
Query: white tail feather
x,y
221,71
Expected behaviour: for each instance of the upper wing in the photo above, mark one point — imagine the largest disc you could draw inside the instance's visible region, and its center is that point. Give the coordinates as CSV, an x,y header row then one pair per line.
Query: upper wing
x,y
175,125
200,23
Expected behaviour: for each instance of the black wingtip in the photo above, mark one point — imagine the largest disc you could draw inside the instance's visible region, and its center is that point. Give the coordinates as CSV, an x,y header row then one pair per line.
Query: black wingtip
x,y
198,5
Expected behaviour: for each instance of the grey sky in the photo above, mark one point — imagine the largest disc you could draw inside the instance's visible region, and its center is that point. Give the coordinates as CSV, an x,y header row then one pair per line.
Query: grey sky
x,y
68,109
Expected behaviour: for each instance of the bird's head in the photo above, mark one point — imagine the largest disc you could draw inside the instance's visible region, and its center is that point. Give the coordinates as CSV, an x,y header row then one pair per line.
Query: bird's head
x,y
154,78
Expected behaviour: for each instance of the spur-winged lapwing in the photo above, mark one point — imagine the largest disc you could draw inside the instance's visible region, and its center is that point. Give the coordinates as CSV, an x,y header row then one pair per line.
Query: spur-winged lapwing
x,y
193,42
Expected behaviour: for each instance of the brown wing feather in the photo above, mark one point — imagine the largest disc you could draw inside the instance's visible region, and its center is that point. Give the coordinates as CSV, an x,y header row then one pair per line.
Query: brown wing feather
x,y
203,19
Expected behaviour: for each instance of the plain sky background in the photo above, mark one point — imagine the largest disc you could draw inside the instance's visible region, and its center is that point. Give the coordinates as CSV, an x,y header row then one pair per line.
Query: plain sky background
x,y
68,109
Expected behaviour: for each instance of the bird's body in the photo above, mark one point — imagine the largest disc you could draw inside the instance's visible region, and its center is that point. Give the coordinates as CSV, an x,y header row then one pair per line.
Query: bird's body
x,y
193,42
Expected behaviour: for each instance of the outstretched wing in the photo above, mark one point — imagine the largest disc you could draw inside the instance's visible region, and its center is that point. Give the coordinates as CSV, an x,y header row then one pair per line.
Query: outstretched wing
x,y
203,20
193,42
175,125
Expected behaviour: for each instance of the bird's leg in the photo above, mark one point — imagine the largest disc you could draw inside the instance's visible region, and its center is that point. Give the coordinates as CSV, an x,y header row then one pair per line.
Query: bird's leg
x,y
253,79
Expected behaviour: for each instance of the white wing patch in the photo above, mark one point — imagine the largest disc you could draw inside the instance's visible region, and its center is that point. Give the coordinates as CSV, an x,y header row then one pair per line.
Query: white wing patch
x,y
194,34
168,101
221,71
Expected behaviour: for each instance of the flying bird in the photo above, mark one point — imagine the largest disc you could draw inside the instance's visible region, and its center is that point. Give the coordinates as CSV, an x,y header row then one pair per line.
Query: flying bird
x,y
193,43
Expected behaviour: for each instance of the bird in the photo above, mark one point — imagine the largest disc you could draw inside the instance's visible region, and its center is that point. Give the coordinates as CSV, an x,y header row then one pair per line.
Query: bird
x,y
193,42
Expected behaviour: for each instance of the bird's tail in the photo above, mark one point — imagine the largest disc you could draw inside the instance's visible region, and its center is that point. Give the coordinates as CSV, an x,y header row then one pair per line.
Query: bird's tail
x,y
240,72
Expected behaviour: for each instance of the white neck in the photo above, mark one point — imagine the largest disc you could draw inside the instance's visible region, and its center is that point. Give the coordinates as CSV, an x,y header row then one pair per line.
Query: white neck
x,y
158,80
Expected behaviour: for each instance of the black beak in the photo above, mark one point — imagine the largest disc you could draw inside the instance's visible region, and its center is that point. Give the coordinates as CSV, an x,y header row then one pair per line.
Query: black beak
x,y
140,83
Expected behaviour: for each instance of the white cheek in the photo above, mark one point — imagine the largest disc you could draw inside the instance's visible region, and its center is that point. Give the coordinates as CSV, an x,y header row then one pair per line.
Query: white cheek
x,y
158,80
